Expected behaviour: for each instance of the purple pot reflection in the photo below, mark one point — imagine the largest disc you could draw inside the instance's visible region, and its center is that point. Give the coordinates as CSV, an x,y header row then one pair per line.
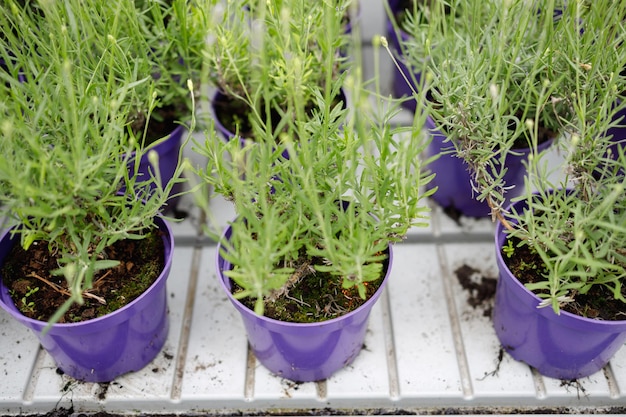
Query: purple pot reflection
x,y
618,132
562,346
101,349
302,351
7,67
454,180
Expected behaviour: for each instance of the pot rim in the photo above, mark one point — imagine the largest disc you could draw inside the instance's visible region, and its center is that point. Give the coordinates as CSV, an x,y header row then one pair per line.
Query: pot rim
x,y
113,317
294,325
566,317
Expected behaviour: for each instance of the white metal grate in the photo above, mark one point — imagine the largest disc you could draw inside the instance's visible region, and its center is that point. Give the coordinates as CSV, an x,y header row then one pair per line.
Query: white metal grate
x,y
426,350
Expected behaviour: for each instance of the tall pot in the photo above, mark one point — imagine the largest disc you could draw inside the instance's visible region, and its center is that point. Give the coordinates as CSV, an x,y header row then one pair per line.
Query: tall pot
x,y
302,351
101,349
563,346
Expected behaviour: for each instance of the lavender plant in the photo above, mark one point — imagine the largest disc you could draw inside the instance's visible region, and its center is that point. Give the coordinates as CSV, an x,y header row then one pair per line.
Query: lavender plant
x,y
66,143
254,47
504,73
329,196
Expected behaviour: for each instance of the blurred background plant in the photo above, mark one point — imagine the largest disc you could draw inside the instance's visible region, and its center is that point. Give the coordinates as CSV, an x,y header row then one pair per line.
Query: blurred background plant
x,y
254,48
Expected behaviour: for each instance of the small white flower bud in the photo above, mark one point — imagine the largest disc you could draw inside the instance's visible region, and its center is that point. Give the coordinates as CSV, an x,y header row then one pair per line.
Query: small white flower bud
x,y
153,158
530,124
493,91
7,128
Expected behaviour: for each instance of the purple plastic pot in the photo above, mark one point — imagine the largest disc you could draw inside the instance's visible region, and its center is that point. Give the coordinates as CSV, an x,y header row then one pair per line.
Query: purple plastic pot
x,y
168,151
399,85
618,133
562,346
7,67
101,349
302,351
454,180
226,134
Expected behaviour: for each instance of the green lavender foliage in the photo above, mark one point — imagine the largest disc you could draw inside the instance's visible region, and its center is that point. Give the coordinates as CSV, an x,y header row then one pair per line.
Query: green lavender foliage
x,y
335,182
254,47
67,147
579,230
499,73
170,36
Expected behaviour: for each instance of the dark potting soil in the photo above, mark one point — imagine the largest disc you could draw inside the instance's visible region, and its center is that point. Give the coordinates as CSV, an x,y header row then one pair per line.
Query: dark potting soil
x,y
453,213
24,272
544,135
235,114
481,289
162,122
406,7
316,297
597,303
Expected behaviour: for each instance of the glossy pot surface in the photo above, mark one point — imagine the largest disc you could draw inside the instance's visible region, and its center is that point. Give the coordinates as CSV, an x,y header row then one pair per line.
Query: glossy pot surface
x,y
563,346
303,351
168,151
101,349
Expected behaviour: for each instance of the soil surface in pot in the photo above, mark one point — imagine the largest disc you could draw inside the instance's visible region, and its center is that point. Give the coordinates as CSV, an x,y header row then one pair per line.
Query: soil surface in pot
x,y
597,303
162,122
316,297
26,273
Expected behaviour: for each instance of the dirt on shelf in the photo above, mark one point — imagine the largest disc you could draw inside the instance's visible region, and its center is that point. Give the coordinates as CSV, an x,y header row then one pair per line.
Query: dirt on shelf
x,y
480,289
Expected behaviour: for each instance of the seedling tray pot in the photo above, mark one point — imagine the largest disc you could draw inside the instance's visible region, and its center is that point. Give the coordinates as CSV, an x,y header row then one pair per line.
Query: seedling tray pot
x,y
564,346
302,352
101,349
